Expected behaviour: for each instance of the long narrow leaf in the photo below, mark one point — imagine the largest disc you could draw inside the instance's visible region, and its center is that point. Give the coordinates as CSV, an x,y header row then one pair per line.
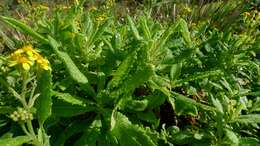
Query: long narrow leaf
x,y
44,102
72,68
24,28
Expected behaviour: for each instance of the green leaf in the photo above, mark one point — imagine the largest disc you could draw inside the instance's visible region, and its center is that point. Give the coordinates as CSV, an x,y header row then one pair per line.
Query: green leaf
x,y
148,117
225,83
145,28
6,109
69,98
7,41
122,71
231,136
44,102
175,71
90,136
128,134
182,107
140,76
248,141
133,28
64,109
72,68
200,75
72,129
96,35
256,106
156,99
24,28
134,105
248,119
15,141
257,93
185,32
191,101
218,106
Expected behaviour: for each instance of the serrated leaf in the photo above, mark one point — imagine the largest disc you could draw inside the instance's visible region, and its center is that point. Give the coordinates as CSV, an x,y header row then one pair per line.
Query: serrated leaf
x,y
175,71
44,101
122,71
134,105
185,32
72,129
64,109
185,108
158,46
231,136
128,134
69,98
256,106
155,100
248,119
90,136
15,141
133,28
148,116
137,78
73,70
249,141
200,75
226,84
218,105
191,101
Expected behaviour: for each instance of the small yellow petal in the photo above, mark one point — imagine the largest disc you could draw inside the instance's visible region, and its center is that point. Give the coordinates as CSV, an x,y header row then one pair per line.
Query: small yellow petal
x,y
29,53
26,66
19,51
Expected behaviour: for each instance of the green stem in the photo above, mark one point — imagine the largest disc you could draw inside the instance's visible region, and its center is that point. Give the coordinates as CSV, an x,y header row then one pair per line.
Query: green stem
x,y
30,128
25,130
16,95
24,88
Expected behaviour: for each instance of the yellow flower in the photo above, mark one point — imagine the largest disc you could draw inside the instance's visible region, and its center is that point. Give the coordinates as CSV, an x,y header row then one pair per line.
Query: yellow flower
x,y
43,7
43,63
19,59
29,50
26,57
246,14
18,52
100,18
193,24
187,9
93,8
110,3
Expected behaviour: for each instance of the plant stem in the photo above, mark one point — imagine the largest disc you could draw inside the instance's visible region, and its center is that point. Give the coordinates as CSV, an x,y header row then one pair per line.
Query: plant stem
x,y
24,88
16,95
30,128
25,130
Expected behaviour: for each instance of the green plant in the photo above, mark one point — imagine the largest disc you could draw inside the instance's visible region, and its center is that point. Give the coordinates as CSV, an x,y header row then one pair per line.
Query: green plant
x,y
113,79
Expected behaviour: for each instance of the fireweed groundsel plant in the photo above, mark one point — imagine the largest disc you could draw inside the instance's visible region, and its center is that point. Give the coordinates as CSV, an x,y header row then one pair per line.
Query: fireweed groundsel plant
x,y
129,81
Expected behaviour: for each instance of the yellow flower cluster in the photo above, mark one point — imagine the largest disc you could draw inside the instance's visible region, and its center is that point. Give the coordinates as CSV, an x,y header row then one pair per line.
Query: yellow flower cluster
x,y
100,18
27,57
109,3
187,9
21,115
252,18
92,9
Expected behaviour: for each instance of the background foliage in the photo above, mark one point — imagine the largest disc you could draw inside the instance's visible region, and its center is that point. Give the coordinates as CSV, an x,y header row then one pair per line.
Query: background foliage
x,y
132,72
